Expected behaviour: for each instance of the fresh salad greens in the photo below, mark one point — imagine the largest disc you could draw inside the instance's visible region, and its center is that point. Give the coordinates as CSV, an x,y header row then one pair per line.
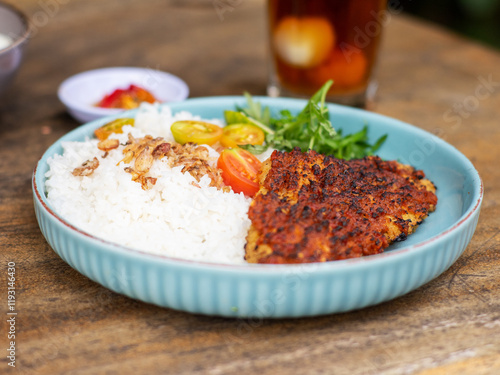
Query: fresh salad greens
x,y
311,129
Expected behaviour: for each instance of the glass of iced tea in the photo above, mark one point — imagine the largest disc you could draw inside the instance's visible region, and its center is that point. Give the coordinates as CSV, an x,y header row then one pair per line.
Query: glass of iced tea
x,y
313,41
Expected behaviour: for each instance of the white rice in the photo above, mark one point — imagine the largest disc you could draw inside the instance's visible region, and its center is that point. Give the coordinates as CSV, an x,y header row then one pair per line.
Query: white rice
x,y
173,218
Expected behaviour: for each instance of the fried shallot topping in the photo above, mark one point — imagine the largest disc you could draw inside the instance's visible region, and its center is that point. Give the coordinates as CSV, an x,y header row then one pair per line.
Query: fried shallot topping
x,y
108,144
195,158
87,168
146,150
140,154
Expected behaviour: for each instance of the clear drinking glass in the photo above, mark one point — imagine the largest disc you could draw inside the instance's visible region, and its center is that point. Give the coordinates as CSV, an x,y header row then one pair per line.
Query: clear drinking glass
x,y
313,41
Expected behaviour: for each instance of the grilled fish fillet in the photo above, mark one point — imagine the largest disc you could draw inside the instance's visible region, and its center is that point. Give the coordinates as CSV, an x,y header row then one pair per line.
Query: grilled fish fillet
x,y
316,208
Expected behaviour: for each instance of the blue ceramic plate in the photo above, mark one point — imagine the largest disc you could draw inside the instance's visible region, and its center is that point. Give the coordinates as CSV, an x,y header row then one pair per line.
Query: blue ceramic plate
x,y
285,290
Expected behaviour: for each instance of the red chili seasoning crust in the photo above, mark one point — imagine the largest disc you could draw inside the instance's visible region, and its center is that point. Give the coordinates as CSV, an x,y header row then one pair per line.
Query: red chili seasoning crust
x,y
316,208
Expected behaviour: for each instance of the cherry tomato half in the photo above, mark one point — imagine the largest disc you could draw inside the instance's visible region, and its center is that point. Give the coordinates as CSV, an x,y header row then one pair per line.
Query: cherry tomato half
x,y
239,170
196,132
242,134
128,98
115,126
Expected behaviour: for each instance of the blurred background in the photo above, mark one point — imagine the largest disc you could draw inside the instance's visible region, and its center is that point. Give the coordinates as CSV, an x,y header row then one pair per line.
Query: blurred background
x,y
476,19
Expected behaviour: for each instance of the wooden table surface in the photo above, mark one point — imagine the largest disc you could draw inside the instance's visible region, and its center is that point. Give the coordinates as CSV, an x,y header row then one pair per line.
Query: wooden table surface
x,y
67,324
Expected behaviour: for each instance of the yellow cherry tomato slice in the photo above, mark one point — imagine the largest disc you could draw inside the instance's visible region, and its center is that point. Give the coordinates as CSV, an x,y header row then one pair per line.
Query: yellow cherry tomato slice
x,y
241,134
196,132
240,169
115,126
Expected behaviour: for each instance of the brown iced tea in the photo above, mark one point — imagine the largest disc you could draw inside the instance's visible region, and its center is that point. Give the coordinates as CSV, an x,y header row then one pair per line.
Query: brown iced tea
x,y
313,41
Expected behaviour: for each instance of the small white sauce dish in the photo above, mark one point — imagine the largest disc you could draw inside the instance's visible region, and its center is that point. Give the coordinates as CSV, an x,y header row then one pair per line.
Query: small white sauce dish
x,y
81,92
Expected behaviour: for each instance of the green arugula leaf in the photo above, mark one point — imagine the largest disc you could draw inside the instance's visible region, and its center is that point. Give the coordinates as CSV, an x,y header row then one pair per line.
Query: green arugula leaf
x,y
254,110
254,149
235,117
311,129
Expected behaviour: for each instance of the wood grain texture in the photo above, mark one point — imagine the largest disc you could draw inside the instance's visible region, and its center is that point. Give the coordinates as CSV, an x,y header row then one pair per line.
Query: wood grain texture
x,y
69,324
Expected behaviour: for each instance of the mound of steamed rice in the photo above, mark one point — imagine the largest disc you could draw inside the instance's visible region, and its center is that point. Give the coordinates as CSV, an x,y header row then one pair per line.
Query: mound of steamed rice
x,y
174,218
